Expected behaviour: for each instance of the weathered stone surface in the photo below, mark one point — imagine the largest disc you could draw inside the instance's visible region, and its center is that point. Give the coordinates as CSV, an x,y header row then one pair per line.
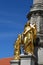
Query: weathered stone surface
x,y
27,60
40,56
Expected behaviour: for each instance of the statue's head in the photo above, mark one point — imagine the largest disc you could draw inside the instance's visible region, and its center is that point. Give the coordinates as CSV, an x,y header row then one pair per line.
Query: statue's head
x,y
27,24
27,28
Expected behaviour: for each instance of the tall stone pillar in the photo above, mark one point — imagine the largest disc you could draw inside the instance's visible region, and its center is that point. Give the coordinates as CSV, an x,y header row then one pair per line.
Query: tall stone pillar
x,y
36,16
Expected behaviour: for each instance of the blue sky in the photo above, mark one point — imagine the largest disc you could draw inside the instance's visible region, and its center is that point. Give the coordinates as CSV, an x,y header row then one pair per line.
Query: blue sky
x,y
12,20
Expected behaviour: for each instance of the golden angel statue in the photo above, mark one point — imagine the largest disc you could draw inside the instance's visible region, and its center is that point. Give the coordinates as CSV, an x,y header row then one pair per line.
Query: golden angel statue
x,y
27,39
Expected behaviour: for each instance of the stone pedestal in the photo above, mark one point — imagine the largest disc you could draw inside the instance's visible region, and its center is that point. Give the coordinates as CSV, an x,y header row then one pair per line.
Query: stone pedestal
x,y
40,56
27,60
14,62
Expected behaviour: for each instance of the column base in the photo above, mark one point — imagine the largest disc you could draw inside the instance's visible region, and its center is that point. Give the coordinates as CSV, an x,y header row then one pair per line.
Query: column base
x,y
14,62
27,60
